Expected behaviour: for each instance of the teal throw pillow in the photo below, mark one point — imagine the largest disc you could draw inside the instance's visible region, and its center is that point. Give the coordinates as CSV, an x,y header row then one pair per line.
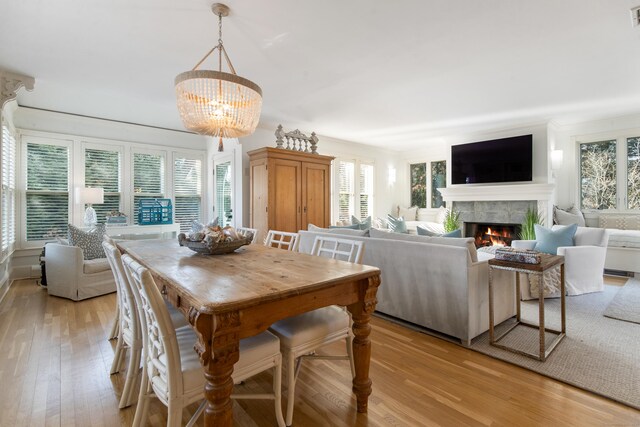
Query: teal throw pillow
x,y
424,232
397,225
366,223
352,227
454,233
548,241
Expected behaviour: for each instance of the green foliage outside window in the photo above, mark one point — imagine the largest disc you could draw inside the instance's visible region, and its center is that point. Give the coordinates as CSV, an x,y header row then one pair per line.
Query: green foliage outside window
x,y
438,180
598,175
418,184
633,173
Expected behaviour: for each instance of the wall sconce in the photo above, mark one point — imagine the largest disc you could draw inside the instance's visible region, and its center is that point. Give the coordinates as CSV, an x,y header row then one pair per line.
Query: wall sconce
x,y
391,178
556,159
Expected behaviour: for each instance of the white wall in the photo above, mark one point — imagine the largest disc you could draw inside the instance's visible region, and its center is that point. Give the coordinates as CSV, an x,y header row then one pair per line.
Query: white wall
x,y
386,196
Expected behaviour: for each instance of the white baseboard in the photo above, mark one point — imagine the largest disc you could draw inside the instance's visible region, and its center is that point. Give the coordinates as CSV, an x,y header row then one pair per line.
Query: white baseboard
x,y
21,272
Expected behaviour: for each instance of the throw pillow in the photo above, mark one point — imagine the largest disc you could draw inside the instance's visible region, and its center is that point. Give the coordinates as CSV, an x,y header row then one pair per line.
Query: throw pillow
x,y
424,232
89,241
397,225
379,223
568,216
454,233
441,215
366,223
409,214
548,241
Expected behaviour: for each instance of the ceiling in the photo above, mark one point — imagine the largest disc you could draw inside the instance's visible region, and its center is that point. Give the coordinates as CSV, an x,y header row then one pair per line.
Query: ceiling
x,y
392,74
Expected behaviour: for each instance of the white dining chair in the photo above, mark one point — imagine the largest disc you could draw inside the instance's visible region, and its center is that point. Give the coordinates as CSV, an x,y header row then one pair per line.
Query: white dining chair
x,y
300,336
281,240
245,230
129,335
172,371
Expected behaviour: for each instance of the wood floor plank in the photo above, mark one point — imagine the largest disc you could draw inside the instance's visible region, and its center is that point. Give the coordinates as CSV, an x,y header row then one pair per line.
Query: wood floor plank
x,y
55,356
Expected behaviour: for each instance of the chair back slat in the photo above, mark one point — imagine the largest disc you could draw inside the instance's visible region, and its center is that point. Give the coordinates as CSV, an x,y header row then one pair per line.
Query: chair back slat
x,y
161,351
282,240
129,318
336,248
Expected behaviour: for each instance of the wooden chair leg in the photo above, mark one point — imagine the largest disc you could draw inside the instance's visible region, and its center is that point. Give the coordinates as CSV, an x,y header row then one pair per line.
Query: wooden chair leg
x,y
143,401
291,386
174,416
117,356
116,324
132,377
277,390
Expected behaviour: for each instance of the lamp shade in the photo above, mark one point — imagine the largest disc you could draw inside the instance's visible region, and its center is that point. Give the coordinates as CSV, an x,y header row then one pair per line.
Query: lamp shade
x,y
90,195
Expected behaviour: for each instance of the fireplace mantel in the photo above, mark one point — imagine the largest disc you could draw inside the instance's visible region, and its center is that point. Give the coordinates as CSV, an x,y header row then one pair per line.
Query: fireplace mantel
x,y
541,193
472,193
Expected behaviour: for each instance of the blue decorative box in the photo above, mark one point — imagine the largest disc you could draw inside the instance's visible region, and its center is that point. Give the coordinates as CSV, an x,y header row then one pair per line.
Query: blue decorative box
x,y
155,211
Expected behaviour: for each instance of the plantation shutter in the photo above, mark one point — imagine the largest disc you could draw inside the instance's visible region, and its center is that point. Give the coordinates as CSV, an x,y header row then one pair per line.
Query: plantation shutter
x,y
8,201
346,190
47,195
102,170
148,179
366,190
187,188
223,192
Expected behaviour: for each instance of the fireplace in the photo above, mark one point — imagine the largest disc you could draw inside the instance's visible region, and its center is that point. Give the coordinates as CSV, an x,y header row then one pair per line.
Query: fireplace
x,y
492,234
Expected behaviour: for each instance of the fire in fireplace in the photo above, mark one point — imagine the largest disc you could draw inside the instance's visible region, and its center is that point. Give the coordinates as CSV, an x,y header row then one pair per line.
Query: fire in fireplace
x,y
491,234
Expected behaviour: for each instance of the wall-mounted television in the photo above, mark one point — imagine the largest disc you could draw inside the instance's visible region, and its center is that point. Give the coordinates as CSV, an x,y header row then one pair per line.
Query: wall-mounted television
x,y
493,161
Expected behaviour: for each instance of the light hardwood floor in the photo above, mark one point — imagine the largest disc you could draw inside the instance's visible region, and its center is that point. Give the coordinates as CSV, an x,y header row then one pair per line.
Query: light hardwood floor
x,y
55,359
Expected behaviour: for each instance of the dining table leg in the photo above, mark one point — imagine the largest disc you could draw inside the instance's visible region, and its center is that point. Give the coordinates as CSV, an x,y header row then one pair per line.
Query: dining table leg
x,y
361,315
219,349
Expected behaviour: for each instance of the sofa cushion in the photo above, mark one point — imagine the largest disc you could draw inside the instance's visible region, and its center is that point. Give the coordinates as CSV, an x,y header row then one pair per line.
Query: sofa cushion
x,y
466,242
96,265
89,241
548,240
397,225
422,231
624,238
409,214
350,227
568,216
619,222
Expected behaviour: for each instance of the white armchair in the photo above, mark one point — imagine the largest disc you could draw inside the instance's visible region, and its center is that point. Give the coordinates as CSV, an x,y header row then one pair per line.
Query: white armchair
x,y
69,275
584,262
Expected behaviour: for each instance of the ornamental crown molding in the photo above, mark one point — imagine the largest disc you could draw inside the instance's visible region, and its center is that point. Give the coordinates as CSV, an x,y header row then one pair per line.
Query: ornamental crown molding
x,y
10,83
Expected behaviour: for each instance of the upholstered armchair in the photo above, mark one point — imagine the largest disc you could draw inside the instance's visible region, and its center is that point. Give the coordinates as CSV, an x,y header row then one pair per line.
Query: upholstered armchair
x,y
69,275
584,262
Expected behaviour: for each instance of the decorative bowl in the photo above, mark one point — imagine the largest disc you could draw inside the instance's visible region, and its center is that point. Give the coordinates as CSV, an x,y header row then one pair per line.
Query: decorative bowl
x,y
214,248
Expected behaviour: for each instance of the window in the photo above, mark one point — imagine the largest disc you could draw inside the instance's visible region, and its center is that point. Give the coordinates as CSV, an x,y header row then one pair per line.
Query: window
x,y
102,169
366,191
224,193
346,203
354,200
418,182
609,174
187,188
47,191
148,178
8,201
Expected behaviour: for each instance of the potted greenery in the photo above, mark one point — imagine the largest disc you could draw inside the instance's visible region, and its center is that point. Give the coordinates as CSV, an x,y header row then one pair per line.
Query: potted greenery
x,y
451,220
531,218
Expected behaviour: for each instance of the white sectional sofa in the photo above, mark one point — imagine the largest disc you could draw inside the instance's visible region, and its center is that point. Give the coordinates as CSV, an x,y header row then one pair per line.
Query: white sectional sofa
x,y
435,282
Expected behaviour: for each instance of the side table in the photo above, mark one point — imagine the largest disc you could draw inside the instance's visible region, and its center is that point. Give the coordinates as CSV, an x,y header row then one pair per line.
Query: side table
x,y
548,262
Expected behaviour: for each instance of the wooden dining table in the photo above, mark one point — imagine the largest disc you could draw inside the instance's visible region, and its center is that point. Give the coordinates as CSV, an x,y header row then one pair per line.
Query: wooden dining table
x,y
230,297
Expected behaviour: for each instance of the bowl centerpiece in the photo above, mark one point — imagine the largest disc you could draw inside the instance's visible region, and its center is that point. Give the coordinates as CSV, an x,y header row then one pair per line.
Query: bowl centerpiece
x,y
214,240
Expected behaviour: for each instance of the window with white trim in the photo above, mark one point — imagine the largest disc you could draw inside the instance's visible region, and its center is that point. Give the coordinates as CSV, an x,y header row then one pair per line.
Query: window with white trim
x,y
102,170
8,202
148,178
355,189
47,191
187,190
609,174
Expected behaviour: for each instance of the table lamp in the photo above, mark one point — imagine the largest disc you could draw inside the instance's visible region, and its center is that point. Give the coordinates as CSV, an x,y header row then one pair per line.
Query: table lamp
x,y
89,196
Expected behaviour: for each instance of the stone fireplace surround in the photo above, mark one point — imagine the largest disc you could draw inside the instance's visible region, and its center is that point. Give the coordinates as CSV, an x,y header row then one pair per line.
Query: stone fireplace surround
x,y
500,204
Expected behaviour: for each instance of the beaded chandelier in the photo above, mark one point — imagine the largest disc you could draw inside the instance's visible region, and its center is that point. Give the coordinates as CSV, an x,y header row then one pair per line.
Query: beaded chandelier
x,y
217,103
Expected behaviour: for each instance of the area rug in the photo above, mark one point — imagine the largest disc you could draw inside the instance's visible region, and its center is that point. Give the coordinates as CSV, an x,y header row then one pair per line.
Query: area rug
x,y
598,354
626,304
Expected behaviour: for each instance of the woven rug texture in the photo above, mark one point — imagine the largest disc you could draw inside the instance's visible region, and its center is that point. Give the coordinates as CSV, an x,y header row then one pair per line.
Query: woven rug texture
x,y
599,354
626,303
